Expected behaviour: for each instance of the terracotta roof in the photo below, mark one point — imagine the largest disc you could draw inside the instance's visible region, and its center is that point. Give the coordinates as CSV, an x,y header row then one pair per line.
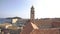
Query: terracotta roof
x,y
27,29
46,31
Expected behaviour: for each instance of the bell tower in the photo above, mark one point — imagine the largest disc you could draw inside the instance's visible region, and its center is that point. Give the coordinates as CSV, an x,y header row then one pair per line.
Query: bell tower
x,y
32,16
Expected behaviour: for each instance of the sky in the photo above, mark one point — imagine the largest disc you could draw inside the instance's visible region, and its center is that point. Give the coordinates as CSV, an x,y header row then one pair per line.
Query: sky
x,y
21,8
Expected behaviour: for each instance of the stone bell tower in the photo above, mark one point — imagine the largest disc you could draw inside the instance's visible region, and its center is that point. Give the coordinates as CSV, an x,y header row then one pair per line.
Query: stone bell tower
x,y
32,16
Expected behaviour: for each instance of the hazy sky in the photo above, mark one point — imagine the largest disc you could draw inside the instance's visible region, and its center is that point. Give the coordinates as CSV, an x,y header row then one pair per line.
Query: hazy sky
x,y
21,8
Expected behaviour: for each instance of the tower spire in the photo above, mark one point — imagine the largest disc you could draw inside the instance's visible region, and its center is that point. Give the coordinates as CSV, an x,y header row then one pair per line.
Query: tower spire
x,y
32,7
